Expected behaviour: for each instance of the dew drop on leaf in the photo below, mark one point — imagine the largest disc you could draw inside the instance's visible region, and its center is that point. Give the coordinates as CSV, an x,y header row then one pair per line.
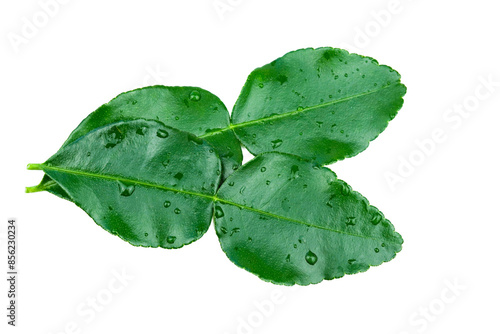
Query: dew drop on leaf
x,y
351,261
276,143
177,211
178,176
311,258
162,133
376,218
350,221
287,258
377,250
294,172
125,190
263,169
218,212
114,136
141,131
171,239
167,204
195,96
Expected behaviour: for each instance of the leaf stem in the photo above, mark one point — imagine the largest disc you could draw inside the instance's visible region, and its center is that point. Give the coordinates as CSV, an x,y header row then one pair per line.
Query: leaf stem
x,y
34,166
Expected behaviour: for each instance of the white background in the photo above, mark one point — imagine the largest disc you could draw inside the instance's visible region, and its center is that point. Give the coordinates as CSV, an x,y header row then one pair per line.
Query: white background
x,y
445,206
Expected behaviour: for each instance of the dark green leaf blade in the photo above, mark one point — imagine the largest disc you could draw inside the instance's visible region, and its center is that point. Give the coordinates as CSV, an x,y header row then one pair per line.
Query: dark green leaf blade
x,y
150,184
189,109
290,222
321,104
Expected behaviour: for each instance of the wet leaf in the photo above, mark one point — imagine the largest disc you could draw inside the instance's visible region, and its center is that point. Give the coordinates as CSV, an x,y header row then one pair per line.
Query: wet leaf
x,y
190,109
296,223
321,104
147,183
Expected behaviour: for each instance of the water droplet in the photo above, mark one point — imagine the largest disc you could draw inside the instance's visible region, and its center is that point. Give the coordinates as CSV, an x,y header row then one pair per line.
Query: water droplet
x,y
351,261
346,75
319,124
167,204
249,239
134,102
195,96
88,154
171,239
287,258
376,218
242,190
218,212
261,85
377,250
311,258
268,182
142,131
234,230
177,211
125,190
223,230
211,150
299,108
263,169
162,133
231,184
346,189
178,176
145,234
276,143
114,136
350,221
235,167
294,172
383,245
294,245
176,118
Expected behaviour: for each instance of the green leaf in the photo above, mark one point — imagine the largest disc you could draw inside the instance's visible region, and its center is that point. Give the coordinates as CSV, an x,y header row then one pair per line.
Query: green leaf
x,y
150,184
189,109
291,222
321,104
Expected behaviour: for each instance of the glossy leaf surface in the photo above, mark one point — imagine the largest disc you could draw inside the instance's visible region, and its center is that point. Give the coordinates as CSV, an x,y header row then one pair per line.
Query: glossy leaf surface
x,y
321,104
290,222
150,184
190,109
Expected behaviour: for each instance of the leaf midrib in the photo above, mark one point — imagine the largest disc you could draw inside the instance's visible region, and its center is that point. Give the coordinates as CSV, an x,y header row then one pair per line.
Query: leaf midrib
x,y
213,198
294,112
